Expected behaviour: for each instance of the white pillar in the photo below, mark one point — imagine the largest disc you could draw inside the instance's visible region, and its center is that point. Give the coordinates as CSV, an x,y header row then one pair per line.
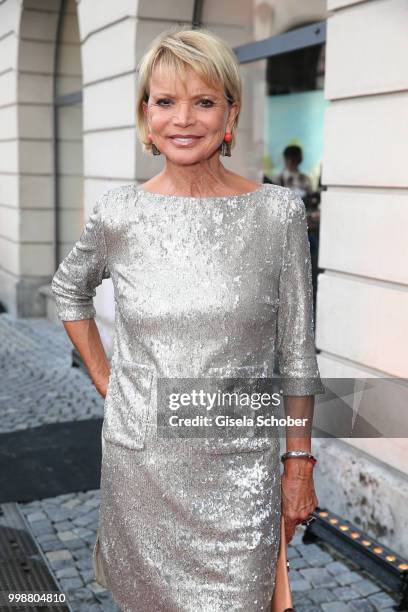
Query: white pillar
x,y
362,305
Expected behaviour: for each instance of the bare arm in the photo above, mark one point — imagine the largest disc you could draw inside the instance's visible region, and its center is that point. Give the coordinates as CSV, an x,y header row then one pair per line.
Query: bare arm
x,y
84,335
299,498
74,287
300,377
299,437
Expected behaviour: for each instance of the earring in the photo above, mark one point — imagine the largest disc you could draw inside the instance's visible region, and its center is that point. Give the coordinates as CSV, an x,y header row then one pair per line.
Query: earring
x,y
155,150
226,146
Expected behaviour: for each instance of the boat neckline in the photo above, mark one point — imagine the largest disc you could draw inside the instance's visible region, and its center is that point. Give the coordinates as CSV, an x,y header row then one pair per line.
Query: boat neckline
x,y
199,198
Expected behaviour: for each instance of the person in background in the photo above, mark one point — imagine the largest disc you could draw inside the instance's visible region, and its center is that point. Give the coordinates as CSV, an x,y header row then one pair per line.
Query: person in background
x,y
291,176
301,184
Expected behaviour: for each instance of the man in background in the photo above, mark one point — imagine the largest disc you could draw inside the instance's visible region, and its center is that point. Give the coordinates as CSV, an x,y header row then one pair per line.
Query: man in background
x,y
291,175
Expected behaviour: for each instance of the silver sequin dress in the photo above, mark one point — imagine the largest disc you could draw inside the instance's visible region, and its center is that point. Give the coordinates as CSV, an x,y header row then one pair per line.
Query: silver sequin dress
x,y
203,287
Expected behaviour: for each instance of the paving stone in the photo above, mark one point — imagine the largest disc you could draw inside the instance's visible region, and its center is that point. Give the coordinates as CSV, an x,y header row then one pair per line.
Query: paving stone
x,y
75,513
317,576
46,537
300,597
298,563
110,606
91,607
319,596
300,585
307,607
321,578
82,553
82,532
63,526
71,503
61,515
335,606
319,559
94,502
336,567
381,600
30,507
88,576
366,587
308,549
84,521
83,594
86,563
59,555
361,605
104,596
90,539
51,545
76,544
57,565
345,593
66,535
42,529
36,516
50,507
348,578
67,572
69,584
292,553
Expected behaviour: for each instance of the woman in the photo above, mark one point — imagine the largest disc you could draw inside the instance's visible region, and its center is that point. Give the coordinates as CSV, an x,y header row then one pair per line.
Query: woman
x,y
211,275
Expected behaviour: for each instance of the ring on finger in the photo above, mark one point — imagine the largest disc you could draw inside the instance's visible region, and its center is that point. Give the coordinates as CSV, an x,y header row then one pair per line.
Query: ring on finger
x,y
309,520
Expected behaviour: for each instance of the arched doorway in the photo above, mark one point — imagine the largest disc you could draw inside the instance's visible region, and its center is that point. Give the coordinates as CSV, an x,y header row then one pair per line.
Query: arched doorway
x,y
48,150
68,139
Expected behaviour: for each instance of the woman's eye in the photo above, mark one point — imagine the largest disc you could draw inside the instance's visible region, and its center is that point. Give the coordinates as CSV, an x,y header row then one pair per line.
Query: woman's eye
x,y
207,103
211,103
163,100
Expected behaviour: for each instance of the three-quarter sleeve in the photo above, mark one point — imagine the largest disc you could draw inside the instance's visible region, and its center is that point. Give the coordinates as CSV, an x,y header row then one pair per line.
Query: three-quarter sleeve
x,y
83,269
296,352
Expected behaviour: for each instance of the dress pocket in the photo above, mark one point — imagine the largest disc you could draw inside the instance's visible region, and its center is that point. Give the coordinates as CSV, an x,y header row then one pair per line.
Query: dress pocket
x,y
127,406
251,441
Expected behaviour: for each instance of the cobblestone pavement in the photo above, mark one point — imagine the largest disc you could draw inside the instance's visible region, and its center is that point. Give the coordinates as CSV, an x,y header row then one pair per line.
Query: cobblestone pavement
x,y
38,384
65,529
41,387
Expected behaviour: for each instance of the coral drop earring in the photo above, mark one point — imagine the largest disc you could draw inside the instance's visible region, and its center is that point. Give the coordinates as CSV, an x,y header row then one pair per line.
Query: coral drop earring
x,y
226,147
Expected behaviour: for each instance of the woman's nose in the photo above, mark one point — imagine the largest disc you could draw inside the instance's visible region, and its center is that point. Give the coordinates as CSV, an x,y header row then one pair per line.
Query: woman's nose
x,y
184,113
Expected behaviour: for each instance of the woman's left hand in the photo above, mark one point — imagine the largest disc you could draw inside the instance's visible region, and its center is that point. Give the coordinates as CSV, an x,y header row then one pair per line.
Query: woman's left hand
x,y
299,498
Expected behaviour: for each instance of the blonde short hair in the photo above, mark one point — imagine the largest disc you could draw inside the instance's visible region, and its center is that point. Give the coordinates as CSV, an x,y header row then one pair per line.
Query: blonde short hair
x,y
173,50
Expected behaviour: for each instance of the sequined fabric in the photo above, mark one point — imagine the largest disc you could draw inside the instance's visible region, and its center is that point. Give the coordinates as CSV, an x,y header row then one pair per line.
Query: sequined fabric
x,y
204,287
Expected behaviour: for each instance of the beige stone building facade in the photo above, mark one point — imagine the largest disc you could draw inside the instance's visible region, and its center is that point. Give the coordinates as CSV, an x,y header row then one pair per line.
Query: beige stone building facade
x,y
68,79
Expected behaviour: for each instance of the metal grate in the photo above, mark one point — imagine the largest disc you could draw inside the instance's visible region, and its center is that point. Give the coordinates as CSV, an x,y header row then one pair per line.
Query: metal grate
x,y
23,566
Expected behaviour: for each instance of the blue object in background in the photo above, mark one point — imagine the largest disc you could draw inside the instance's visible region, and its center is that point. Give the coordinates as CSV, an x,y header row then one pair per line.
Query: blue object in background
x,y
296,118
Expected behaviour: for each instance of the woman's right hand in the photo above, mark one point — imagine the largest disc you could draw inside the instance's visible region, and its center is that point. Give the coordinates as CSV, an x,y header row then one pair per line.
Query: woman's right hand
x,y
101,385
85,336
